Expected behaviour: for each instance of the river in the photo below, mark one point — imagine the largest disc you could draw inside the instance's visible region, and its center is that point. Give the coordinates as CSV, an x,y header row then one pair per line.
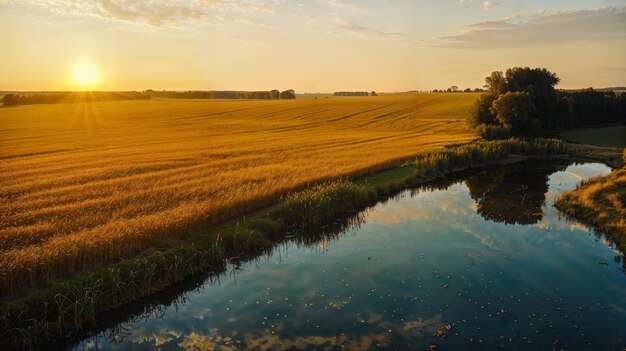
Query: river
x,y
481,260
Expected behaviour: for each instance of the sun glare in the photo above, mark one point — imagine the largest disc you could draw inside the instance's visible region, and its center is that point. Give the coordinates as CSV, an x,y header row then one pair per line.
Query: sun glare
x,y
85,75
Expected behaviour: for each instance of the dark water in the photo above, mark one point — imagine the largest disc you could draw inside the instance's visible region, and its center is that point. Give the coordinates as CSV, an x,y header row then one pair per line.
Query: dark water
x,y
482,261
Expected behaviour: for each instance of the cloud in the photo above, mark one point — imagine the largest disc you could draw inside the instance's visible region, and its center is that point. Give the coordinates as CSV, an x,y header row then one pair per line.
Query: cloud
x,y
541,28
356,28
179,13
341,5
151,13
155,12
487,5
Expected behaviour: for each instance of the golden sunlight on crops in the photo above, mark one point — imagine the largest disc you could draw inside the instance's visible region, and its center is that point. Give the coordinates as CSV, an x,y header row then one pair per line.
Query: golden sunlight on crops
x,y
87,183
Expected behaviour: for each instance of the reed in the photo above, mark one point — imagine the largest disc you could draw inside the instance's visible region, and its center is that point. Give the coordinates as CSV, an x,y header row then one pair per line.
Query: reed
x,y
491,132
481,152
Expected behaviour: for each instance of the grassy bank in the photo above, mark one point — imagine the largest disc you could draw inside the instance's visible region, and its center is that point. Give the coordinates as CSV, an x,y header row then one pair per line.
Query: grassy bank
x,y
600,202
57,308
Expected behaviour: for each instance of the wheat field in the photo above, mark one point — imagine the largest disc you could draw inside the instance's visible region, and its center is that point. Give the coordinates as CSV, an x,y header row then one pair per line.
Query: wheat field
x,y
88,183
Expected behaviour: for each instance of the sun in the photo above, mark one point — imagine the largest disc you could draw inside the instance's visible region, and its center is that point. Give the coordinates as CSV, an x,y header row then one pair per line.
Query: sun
x,y
85,75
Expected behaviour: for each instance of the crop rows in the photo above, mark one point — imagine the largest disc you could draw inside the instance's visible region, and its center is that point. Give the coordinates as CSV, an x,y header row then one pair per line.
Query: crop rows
x,y
86,184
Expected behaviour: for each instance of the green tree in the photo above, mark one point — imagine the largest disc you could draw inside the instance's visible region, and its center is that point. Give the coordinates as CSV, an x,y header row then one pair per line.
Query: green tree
x,y
539,83
288,94
516,110
496,83
481,111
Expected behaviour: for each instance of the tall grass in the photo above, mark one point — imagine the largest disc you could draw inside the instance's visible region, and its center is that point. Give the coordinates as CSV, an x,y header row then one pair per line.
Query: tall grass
x,y
433,163
491,132
58,308
600,202
324,201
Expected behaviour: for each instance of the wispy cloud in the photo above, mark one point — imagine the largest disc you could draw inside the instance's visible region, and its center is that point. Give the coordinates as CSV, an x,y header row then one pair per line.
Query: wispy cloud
x,y
541,28
356,28
155,12
151,13
341,5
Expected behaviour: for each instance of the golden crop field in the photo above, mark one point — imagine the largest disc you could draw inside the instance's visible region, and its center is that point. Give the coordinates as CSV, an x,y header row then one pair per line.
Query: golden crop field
x,y
84,184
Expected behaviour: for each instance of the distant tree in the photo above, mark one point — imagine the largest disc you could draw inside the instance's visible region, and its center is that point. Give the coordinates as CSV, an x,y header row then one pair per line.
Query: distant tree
x,y
53,98
288,94
351,93
10,99
516,110
373,93
467,90
275,94
454,88
449,90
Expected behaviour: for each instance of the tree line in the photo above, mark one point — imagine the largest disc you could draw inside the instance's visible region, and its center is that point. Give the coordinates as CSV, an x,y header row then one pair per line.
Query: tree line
x,y
354,93
526,102
65,97
224,94
455,89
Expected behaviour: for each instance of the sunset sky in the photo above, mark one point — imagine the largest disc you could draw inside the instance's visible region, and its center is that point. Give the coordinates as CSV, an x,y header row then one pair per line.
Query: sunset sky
x,y
306,45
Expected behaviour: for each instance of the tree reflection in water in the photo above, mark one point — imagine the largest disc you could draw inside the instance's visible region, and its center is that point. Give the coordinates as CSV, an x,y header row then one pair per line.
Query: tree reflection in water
x,y
512,195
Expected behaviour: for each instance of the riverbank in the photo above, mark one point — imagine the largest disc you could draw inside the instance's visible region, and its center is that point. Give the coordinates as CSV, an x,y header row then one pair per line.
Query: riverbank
x,y
601,203
57,308
612,156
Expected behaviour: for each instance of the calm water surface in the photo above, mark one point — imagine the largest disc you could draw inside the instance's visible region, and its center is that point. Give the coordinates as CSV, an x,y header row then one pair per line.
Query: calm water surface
x,y
483,261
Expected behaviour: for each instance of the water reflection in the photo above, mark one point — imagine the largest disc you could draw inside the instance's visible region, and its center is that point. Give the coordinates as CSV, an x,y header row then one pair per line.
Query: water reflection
x,y
514,194
510,195
447,265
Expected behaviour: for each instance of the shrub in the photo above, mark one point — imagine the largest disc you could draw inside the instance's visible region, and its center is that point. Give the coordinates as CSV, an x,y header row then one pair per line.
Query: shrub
x,y
491,132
